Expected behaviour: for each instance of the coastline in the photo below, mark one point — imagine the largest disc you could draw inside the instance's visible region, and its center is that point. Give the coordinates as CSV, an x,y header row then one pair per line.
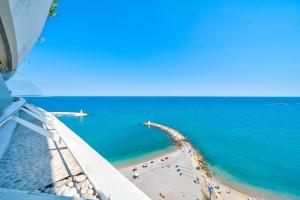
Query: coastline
x,y
243,191
119,164
230,146
257,192
223,189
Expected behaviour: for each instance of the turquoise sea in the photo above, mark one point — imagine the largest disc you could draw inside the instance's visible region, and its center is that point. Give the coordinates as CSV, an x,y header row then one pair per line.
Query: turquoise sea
x,y
254,141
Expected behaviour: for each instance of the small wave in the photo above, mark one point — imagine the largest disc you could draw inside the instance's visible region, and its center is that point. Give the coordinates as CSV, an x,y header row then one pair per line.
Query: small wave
x,y
280,104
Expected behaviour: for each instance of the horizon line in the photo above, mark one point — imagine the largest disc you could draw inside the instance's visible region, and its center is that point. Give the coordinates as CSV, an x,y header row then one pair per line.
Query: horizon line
x,y
233,96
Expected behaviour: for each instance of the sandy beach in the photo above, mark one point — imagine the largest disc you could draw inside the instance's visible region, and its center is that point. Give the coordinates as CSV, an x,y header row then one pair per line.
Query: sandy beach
x,y
181,174
176,178
172,178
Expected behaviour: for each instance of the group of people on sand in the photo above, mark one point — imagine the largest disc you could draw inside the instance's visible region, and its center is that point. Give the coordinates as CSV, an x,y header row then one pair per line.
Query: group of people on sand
x,y
145,165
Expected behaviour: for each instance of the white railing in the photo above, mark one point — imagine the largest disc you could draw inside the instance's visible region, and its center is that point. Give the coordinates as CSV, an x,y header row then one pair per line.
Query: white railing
x,y
108,182
12,109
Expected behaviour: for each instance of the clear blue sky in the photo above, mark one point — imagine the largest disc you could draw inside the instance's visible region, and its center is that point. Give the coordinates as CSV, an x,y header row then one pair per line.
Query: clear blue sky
x,y
169,47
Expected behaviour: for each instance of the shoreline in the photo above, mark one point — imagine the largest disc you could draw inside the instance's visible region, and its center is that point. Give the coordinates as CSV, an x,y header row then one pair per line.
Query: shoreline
x,y
223,189
256,192
235,184
143,158
247,190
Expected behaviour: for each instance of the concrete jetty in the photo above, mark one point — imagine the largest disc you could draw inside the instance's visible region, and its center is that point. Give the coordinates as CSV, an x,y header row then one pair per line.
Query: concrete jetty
x,y
72,114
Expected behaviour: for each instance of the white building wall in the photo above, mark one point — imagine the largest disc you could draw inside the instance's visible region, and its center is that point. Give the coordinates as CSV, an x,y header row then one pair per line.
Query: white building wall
x,y
29,17
5,97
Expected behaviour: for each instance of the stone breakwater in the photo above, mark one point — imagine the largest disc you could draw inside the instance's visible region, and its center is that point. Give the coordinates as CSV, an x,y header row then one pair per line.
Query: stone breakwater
x,y
185,145
220,191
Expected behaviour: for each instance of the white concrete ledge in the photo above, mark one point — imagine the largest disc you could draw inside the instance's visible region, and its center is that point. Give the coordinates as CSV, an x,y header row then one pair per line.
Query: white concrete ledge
x,y
107,180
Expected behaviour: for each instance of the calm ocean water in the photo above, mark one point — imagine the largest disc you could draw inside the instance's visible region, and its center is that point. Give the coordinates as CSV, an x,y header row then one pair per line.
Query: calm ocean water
x,y
255,141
